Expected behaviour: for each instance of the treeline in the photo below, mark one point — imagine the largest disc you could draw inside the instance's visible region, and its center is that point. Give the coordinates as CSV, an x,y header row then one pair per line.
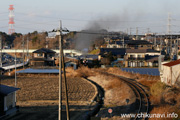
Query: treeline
x,y
7,40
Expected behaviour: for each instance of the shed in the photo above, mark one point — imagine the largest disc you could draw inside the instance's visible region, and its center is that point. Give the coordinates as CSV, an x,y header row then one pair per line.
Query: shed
x,y
1,70
71,64
7,100
171,73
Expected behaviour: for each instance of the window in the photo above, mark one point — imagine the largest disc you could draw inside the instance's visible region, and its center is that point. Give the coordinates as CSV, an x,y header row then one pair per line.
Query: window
x,y
39,54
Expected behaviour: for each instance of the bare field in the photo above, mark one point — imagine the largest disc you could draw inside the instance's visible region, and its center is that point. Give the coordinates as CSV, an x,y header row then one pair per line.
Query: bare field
x,y
39,94
47,88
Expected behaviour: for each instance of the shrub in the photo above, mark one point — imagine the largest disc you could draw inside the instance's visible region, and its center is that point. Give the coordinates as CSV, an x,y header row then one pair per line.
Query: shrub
x,y
158,88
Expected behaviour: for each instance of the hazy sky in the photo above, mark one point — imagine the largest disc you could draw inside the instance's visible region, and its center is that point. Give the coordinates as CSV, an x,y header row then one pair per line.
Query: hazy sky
x,y
114,15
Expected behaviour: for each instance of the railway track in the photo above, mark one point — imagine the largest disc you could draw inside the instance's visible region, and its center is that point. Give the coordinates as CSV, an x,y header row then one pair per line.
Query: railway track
x,y
142,97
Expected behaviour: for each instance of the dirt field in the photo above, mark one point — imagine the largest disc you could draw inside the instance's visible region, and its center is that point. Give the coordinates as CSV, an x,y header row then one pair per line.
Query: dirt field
x,y
38,97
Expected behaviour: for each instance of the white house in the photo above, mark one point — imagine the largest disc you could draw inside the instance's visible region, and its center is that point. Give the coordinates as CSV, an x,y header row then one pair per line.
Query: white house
x,y
7,100
170,73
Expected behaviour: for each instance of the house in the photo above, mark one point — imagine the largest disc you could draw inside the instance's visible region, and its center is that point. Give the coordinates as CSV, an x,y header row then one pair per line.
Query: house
x,y
43,57
7,100
139,44
170,73
141,58
119,52
117,44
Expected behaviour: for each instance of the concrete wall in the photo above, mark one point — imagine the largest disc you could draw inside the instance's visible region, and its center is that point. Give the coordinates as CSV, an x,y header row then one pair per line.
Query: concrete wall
x,y
9,101
170,75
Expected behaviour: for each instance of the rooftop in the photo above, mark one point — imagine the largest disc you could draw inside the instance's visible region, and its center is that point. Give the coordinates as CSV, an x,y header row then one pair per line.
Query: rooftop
x,y
37,71
114,51
44,50
5,90
172,63
139,42
141,51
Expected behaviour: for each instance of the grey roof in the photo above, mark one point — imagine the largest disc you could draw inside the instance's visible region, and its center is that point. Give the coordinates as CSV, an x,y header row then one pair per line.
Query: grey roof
x,y
44,50
151,58
5,90
89,56
36,71
138,42
114,51
141,51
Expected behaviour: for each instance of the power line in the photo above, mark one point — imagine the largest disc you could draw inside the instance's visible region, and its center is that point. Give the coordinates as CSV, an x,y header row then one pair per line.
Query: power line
x,y
90,20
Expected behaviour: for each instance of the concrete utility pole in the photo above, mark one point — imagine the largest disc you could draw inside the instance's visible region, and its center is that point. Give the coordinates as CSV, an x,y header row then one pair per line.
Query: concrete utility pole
x,y
130,31
62,65
60,68
27,48
0,51
136,33
15,75
23,51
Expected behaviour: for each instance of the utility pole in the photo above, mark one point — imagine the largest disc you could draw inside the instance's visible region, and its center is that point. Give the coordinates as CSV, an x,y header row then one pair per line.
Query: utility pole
x,y
27,48
136,33
62,65
23,51
171,56
0,51
15,75
60,68
155,40
130,31
65,85
123,41
161,44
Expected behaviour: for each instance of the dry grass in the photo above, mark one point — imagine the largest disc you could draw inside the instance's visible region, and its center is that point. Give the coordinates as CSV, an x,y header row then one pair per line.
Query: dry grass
x,y
158,88
80,72
166,111
165,99
135,76
116,91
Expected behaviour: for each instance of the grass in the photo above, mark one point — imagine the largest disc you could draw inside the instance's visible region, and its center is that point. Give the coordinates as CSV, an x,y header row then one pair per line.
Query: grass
x,y
158,88
163,98
97,51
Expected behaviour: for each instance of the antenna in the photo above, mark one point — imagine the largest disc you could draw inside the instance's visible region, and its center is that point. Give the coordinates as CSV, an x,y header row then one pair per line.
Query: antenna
x,y
11,20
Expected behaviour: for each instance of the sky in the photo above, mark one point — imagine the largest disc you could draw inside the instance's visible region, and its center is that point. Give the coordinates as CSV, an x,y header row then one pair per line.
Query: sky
x,y
113,15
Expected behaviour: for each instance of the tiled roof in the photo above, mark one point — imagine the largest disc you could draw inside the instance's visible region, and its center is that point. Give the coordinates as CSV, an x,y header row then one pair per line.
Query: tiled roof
x,y
141,51
151,58
139,42
114,51
44,50
172,63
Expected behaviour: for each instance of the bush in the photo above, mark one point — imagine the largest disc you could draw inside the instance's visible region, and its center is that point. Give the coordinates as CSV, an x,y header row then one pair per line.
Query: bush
x,y
158,88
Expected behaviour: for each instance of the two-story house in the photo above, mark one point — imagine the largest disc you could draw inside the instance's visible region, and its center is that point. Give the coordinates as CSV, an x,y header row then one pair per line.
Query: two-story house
x,y
43,57
139,44
141,58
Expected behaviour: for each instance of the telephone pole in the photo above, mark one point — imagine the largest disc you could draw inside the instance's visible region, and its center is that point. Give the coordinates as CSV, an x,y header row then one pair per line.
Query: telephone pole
x,y
62,65
136,33
23,51
0,51
60,68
